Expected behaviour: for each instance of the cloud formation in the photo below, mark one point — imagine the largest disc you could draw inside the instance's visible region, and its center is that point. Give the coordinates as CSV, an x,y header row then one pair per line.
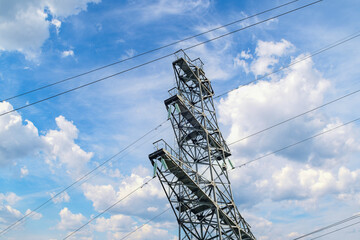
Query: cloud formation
x,y
137,203
8,213
307,172
24,24
118,226
70,221
266,56
160,8
259,105
67,53
19,140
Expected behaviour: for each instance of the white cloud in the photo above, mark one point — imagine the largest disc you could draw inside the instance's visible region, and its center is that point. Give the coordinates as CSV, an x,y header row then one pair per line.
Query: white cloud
x,y
70,221
303,174
114,173
119,225
18,141
260,105
62,150
290,182
128,53
115,223
24,24
9,214
260,226
240,61
147,232
24,171
34,215
103,196
67,8
23,27
246,55
152,209
293,234
63,197
67,53
11,198
159,8
8,210
268,54
57,24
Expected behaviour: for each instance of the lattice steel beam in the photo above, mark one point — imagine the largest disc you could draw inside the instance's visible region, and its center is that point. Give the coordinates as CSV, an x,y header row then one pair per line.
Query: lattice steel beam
x,y
195,177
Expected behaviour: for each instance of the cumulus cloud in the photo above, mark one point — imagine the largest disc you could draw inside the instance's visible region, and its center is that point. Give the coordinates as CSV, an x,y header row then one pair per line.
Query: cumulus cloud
x,y
24,171
267,55
159,8
34,215
148,232
67,53
152,209
7,212
11,198
24,24
66,8
116,226
259,225
128,53
63,197
70,221
19,140
119,225
260,105
57,24
240,60
61,148
292,183
103,196
305,173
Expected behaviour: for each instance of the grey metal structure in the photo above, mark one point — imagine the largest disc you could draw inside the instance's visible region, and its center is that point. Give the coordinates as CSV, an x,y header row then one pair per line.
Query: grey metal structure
x,y
195,177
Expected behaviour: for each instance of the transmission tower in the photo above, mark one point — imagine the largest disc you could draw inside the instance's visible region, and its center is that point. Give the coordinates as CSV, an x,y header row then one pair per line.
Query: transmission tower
x,y
194,174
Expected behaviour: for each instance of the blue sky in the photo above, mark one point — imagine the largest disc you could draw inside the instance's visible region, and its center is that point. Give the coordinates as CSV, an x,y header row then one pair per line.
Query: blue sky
x,y
45,147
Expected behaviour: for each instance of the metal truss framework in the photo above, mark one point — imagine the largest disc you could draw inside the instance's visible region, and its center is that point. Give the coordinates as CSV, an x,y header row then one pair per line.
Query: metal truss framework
x,y
194,177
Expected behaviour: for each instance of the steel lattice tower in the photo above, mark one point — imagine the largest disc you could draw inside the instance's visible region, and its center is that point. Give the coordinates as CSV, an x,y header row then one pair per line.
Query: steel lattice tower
x,y
194,176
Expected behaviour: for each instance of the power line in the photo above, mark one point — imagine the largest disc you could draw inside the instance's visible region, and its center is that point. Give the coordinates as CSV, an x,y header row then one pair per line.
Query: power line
x,y
316,135
335,230
8,228
107,209
229,144
297,143
335,44
150,220
329,226
289,146
157,59
147,52
122,156
296,116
